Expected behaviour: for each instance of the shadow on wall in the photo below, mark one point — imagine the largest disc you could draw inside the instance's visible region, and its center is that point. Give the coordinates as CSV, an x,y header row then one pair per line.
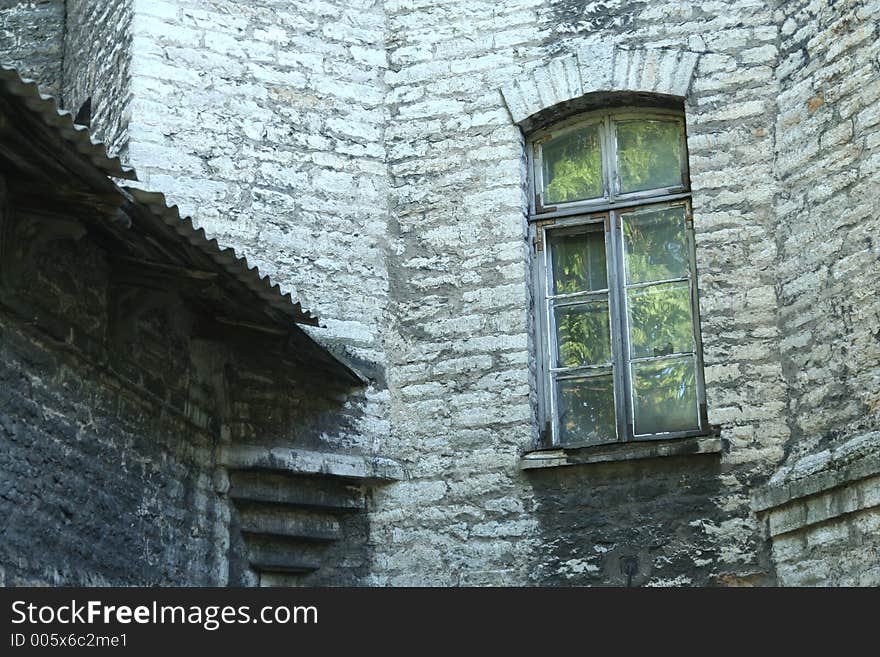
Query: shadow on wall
x,y
637,523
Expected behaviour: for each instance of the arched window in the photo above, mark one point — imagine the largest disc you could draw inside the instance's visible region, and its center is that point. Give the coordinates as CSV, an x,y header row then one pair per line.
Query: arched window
x,y
616,305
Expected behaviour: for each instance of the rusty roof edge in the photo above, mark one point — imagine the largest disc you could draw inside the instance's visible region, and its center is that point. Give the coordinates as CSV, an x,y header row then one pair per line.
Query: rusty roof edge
x,y
79,136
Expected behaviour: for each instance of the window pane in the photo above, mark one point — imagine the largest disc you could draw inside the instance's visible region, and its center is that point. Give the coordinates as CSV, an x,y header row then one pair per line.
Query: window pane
x,y
649,155
572,166
665,396
660,320
586,410
579,262
583,334
655,245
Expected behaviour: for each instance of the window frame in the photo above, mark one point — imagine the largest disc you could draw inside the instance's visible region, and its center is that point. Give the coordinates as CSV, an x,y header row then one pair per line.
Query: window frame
x,y
607,211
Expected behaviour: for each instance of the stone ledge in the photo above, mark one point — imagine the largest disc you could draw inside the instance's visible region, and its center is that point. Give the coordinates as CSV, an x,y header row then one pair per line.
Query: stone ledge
x,y
827,505
366,469
856,459
629,451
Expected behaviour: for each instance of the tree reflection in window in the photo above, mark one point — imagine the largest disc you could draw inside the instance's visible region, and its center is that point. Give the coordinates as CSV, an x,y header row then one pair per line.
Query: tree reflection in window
x,y
655,245
583,334
573,166
649,155
665,396
624,357
579,262
586,409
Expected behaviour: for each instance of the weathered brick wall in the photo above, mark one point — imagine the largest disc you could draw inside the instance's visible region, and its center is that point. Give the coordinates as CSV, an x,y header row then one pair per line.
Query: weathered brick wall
x,y
388,195
822,506
828,133
32,38
823,516
112,428
841,552
460,386
273,127
97,56
104,479
265,121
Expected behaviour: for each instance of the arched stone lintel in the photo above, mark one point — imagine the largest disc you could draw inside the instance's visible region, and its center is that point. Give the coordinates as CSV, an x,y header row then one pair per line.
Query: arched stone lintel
x,y
604,69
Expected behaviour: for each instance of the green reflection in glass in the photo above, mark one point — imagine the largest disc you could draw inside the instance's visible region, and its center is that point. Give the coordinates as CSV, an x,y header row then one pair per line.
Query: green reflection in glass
x,y
579,261
655,244
665,396
649,155
583,335
586,410
573,166
660,320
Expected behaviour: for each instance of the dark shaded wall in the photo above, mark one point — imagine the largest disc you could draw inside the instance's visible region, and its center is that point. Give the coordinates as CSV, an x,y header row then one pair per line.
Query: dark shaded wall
x,y
115,400
631,523
32,40
103,479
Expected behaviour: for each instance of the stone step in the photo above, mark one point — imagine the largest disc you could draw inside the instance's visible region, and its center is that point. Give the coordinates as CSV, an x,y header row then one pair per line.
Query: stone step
x,y
274,521
365,469
284,556
309,493
270,579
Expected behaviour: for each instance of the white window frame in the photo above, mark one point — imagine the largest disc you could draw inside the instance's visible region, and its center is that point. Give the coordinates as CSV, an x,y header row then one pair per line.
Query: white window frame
x,y
607,211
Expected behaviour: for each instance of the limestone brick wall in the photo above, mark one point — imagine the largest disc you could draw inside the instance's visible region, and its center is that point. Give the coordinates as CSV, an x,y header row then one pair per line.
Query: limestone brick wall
x,y
363,154
828,132
265,121
461,390
823,515
97,56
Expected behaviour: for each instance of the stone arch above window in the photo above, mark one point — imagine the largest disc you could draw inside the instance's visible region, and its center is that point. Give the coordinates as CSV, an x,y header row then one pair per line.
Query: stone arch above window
x,y
658,71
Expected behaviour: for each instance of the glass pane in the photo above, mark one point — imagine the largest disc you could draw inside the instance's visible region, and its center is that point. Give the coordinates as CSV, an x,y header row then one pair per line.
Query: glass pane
x,y
572,166
665,396
586,410
579,262
649,155
660,320
583,334
655,244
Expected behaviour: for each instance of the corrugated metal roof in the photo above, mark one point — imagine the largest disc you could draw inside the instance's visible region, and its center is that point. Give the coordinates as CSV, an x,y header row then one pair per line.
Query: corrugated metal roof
x,y
77,135
46,109
226,257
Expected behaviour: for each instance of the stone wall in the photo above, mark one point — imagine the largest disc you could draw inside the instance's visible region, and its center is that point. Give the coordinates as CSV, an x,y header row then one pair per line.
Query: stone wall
x,y
460,384
823,516
31,40
97,58
828,133
104,480
265,121
120,406
363,155
396,197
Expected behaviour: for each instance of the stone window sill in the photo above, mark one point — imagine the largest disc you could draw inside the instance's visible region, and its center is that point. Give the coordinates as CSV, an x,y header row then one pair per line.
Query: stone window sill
x,y
628,451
